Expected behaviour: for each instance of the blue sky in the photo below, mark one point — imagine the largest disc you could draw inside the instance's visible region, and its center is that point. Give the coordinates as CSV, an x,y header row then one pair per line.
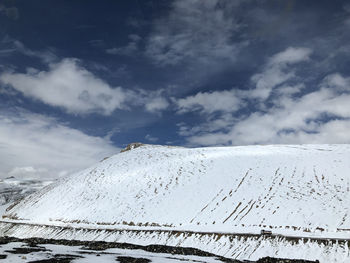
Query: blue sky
x,y
81,79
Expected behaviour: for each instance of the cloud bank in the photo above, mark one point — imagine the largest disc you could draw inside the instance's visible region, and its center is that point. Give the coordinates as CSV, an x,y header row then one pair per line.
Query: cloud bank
x,y
32,144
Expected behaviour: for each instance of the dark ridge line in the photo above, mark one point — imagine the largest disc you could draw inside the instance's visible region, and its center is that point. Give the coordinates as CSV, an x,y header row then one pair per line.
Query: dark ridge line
x,y
102,245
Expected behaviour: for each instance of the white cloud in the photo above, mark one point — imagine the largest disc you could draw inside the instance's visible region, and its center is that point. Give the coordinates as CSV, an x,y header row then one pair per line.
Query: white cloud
x,y
156,104
209,102
78,91
292,115
277,71
337,80
322,116
194,30
69,86
36,145
291,55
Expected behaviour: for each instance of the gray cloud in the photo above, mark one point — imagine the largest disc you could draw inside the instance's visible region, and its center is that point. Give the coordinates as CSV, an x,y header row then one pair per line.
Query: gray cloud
x,y
194,30
11,12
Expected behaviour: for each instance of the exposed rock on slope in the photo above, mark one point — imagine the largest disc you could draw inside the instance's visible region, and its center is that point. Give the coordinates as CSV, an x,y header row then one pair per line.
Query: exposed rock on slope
x,y
131,146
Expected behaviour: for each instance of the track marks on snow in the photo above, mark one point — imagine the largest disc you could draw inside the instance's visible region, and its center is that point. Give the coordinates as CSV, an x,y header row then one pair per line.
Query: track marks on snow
x,y
242,180
207,205
234,211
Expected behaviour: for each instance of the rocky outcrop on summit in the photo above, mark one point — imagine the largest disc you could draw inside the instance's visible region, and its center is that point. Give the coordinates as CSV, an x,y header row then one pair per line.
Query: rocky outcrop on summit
x,y
131,146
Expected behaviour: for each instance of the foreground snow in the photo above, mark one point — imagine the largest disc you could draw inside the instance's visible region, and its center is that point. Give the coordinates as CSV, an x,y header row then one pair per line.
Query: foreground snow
x,y
300,191
80,255
239,246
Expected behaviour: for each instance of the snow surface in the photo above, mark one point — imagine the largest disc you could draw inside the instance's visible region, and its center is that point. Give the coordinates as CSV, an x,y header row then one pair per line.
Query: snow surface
x,y
242,247
292,190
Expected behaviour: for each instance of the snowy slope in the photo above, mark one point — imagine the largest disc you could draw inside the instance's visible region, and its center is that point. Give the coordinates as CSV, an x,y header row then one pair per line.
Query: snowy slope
x,y
289,188
300,191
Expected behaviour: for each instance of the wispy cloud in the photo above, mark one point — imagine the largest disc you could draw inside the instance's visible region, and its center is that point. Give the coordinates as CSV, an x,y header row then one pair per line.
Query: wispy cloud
x,y
130,49
45,55
277,71
9,11
12,45
194,30
151,138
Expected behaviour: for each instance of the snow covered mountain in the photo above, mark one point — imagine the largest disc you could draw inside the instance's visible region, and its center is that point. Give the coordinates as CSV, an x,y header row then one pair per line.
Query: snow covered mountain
x,y
296,191
13,189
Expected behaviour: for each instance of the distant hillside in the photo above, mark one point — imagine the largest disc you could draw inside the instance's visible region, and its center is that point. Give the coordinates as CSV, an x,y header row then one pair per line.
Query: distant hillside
x,y
13,189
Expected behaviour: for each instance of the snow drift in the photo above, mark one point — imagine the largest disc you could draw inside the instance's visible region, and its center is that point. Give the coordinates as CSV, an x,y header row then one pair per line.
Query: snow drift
x,y
294,191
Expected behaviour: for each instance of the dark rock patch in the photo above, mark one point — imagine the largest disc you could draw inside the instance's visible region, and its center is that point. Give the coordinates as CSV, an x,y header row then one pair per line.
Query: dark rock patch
x,y
132,260
101,245
26,250
283,260
59,258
